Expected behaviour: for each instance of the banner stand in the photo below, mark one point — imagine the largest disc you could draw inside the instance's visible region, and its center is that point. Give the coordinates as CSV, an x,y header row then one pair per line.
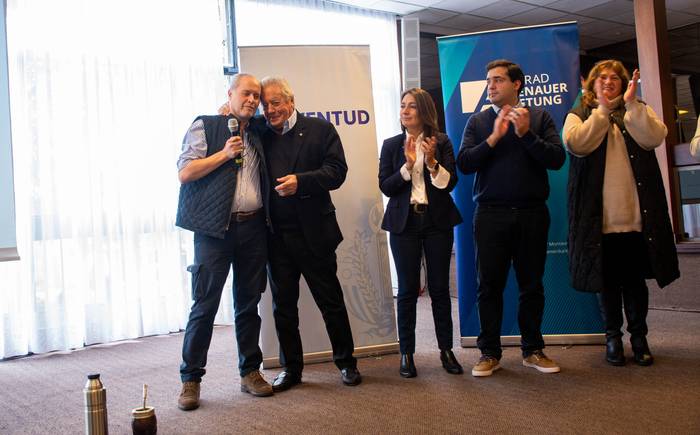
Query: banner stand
x,y
334,82
549,340
549,57
326,356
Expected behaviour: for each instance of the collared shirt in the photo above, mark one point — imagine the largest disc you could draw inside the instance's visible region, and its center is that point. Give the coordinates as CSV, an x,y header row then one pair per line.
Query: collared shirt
x,y
419,193
247,196
517,106
288,124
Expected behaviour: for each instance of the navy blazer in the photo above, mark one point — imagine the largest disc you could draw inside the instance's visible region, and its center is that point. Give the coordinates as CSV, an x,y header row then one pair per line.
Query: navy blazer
x,y
320,167
441,207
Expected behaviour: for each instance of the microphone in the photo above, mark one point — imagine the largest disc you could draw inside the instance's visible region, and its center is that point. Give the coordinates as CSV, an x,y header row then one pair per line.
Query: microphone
x,y
233,128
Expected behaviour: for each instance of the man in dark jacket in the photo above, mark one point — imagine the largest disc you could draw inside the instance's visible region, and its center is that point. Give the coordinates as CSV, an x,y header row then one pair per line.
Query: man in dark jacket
x,y
224,189
305,162
510,148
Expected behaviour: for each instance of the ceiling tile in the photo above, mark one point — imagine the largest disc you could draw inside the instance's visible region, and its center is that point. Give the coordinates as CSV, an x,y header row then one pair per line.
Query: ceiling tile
x,y
680,5
440,30
609,9
679,19
465,22
538,2
536,16
575,5
461,6
573,17
502,9
627,18
432,16
599,27
495,25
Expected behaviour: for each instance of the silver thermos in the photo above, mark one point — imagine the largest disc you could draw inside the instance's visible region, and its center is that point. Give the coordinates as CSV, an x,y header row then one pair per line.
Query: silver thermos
x,y
95,406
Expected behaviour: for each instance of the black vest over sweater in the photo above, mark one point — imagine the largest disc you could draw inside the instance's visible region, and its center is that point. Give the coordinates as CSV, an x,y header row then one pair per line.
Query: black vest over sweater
x,y
585,193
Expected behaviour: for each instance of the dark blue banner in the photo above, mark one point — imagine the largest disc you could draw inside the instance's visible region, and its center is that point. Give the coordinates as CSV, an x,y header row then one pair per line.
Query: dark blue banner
x,y
549,57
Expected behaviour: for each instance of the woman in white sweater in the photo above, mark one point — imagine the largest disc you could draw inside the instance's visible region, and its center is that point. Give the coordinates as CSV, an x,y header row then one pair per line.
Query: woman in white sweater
x,y
619,229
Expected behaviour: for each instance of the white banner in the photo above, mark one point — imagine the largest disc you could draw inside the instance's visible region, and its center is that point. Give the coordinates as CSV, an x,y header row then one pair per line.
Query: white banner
x,y
334,82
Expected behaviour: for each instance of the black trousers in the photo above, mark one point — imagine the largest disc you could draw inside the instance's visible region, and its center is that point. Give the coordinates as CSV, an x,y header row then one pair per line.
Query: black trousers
x,y
245,248
505,236
625,259
289,258
422,236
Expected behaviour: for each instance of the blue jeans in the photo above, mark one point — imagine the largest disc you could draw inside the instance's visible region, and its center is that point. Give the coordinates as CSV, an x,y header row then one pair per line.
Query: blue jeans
x,y
245,248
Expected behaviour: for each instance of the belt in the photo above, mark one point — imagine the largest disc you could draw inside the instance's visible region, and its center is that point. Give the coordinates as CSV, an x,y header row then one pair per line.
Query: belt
x,y
242,216
419,208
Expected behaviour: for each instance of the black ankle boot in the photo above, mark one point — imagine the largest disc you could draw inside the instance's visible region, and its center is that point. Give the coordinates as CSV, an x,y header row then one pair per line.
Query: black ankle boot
x,y
450,363
642,354
408,368
615,352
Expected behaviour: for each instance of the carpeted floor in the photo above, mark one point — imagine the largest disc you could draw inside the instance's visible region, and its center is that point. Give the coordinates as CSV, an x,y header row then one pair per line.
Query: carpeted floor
x,y
42,394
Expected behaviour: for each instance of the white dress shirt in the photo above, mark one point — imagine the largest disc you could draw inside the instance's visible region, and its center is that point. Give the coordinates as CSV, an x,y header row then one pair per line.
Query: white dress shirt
x,y
419,194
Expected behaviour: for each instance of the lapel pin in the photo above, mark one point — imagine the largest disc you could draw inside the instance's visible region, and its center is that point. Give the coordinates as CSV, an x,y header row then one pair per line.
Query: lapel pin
x,y
301,134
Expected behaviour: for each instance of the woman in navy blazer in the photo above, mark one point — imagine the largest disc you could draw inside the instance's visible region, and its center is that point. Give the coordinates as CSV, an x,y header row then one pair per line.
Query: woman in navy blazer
x,y
417,173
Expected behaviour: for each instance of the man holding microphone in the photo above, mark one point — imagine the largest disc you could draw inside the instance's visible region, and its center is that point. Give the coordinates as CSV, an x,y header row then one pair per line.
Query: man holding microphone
x,y
223,200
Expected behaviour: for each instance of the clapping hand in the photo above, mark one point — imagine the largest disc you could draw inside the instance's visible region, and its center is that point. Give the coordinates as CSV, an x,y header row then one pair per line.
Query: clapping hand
x,y
520,117
500,126
428,147
631,92
409,151
603,100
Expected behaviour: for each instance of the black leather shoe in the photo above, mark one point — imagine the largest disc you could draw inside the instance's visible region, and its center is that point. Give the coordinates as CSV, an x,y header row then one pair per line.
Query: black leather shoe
x,y
642,354
615,352
351,376
285,380
450,363
408,368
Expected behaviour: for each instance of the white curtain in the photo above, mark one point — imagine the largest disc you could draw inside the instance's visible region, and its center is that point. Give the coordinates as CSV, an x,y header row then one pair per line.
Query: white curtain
x,y
315,22
102,93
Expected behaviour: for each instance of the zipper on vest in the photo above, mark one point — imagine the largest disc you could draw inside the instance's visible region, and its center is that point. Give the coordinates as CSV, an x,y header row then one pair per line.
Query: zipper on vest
x,y
228,223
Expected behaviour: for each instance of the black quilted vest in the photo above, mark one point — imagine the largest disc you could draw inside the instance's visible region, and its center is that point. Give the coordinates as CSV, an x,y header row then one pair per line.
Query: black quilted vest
x,y
204,205
585,194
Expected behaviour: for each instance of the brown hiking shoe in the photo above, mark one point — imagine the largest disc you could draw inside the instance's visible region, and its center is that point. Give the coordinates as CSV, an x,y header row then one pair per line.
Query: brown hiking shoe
x,y
486,366
255,384
538,360
189,396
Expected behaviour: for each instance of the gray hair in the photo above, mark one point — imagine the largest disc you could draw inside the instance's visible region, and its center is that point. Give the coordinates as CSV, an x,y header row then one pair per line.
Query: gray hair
x,y
236,79
281,83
